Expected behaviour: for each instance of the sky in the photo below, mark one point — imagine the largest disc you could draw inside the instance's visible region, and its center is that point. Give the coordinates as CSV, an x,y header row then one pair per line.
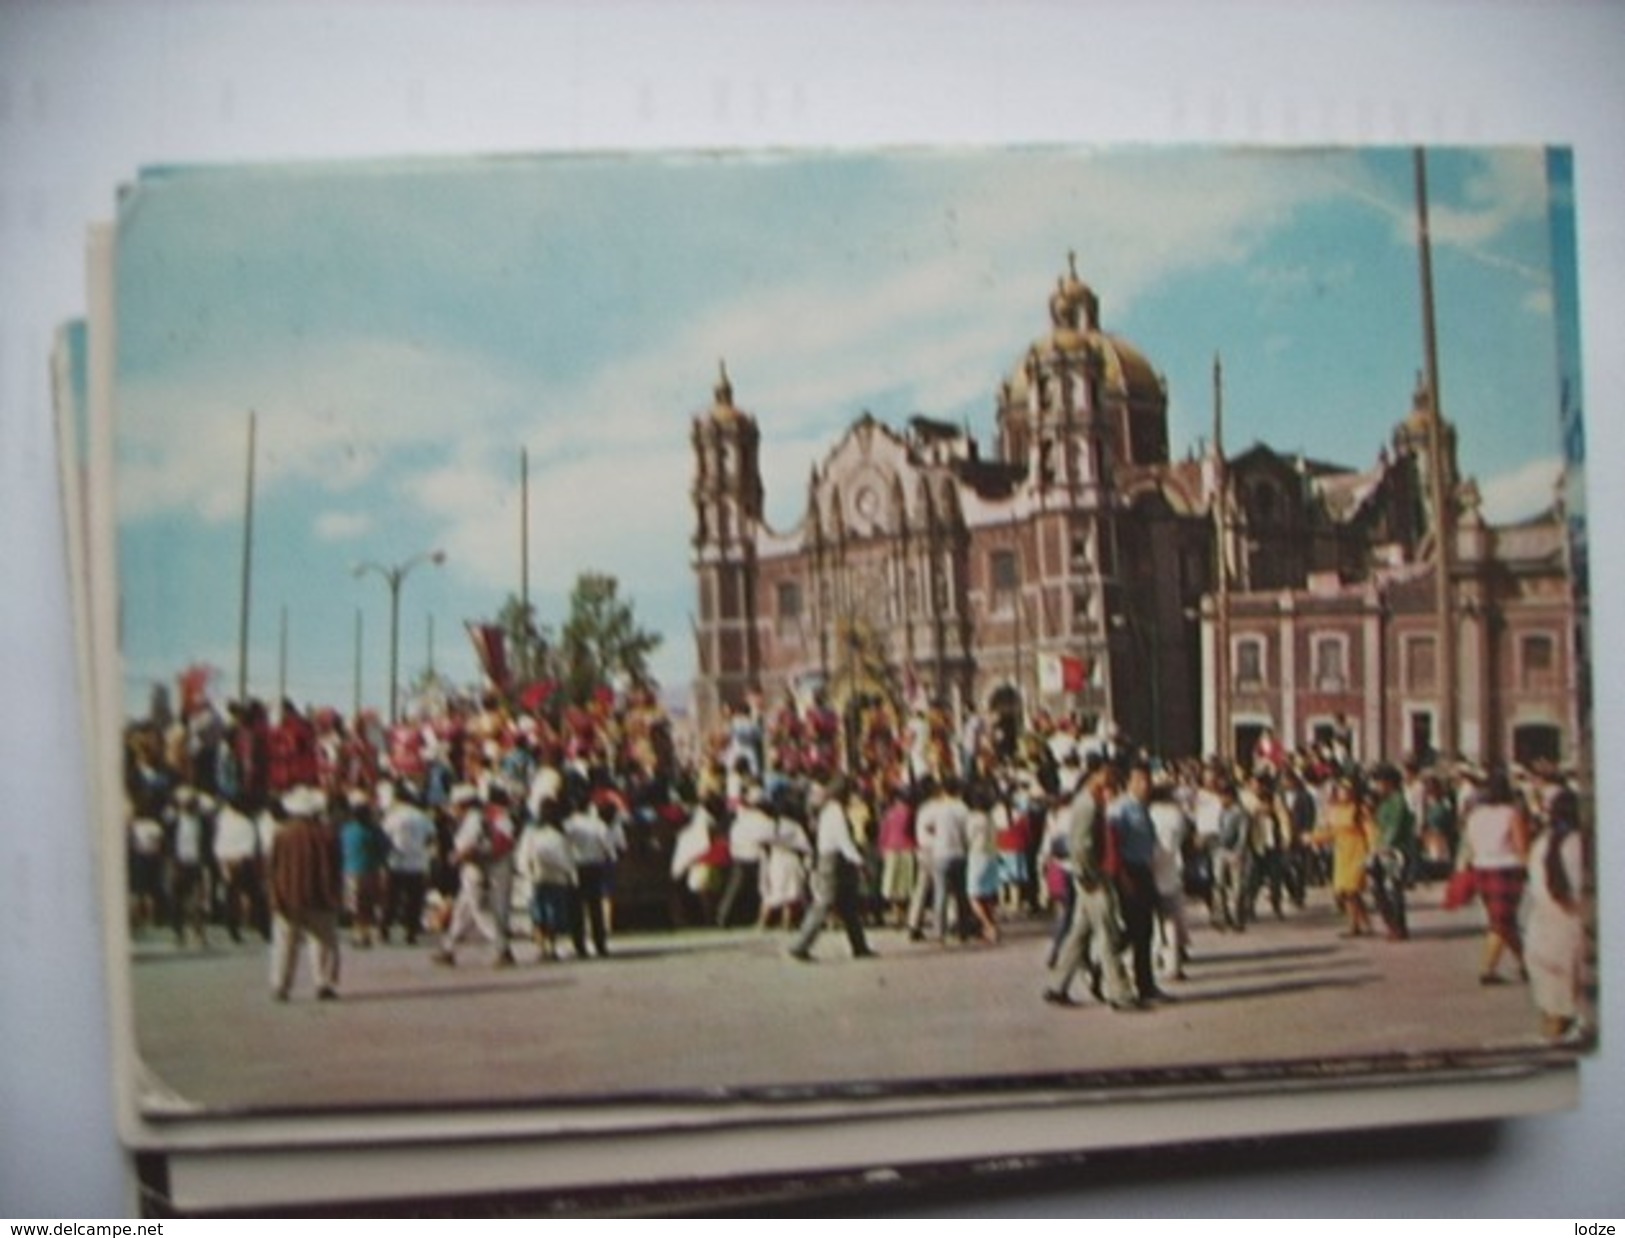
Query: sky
x,y
401,330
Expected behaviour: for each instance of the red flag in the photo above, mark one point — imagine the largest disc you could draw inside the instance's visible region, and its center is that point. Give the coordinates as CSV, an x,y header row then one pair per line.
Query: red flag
x,y
536,695
490,647
194,686
1074,674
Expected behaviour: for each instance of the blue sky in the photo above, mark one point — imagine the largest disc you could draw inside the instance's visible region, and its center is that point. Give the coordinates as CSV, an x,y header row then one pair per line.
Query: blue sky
x,y
403,329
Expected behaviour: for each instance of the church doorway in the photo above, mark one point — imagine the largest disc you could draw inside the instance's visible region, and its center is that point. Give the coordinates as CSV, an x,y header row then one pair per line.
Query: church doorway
x,y
1005,706
1536,741
1247,735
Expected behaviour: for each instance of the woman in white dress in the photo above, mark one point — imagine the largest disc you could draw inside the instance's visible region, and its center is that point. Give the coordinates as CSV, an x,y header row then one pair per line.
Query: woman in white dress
x,y
784,868
1554,939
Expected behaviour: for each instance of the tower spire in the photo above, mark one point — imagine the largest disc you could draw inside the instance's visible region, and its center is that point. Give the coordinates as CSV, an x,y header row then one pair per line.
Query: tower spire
x,y
1440,486
1221,564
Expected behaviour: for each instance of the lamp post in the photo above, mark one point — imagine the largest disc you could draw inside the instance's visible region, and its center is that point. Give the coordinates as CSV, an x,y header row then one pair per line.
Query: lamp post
x,y
393,577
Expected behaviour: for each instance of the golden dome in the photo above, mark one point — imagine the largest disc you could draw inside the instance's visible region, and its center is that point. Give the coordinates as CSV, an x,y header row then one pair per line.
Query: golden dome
x,y
1124,369
1075,338
1073,288
1068,340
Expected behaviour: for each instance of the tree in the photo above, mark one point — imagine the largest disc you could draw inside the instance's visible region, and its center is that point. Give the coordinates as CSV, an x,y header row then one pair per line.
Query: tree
x,y
601,642
529,645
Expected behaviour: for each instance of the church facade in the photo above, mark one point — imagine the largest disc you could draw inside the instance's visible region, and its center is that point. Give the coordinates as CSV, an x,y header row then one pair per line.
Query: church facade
x,y
1077,568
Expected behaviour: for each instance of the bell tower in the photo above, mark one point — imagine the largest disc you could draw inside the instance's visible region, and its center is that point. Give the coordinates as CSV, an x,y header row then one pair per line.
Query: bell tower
x,y
727,495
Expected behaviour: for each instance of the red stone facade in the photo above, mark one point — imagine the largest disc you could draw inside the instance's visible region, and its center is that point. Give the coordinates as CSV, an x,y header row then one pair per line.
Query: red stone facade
x,y
923,570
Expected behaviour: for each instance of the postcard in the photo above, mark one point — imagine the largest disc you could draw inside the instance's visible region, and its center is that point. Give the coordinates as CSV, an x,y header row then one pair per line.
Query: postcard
x,y
981,641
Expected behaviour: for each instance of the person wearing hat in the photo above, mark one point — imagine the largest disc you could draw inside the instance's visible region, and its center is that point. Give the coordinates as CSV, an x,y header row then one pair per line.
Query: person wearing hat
x,y
482,850
303,877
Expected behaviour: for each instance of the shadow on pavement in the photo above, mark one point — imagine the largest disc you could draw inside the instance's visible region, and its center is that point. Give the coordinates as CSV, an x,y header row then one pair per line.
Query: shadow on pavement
x,y
1446,932
449,992
1281,989
1275,952
1198,973
146,953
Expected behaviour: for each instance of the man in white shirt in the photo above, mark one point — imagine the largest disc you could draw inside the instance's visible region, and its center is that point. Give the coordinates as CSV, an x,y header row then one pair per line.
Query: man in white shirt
x,y
411,851
482,849
949,817
237,852
839,865
188,893
594,846
544,859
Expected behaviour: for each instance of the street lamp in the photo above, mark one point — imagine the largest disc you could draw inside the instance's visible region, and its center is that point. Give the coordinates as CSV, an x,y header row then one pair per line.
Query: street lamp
x,y
393,576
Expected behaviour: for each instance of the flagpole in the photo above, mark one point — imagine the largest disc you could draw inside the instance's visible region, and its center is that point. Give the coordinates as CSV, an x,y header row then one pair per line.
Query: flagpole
x,y
1221,652
524,562
355,695
1438,486
248,568
394,577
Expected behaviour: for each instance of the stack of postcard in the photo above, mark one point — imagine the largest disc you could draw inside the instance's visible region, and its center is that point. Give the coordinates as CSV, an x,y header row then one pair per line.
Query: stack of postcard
x,y
616,674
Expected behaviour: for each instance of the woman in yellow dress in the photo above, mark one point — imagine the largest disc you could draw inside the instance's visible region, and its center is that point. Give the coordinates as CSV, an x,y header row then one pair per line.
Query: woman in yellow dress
x,y
1346,828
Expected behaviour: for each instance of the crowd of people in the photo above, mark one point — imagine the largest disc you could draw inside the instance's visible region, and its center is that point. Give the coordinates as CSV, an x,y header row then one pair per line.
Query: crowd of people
x,y
467,820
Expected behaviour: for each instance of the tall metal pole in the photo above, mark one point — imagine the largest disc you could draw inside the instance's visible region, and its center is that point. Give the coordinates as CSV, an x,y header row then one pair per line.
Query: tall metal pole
x,y
524,561
248,568
1020,583
1438,484
355,696
282,657
1221,643
395,579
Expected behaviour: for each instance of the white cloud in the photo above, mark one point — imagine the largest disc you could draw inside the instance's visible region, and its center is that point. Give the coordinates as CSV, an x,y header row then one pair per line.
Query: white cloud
x,y
1509,187
341,526
929,328
329,414
625,513
1524,492
932,327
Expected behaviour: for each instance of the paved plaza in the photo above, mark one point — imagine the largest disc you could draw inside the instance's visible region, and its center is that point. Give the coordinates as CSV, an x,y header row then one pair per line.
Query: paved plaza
x,y
703,1012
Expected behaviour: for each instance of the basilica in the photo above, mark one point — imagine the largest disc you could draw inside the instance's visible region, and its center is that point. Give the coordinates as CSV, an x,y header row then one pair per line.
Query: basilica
x,y
1076,567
